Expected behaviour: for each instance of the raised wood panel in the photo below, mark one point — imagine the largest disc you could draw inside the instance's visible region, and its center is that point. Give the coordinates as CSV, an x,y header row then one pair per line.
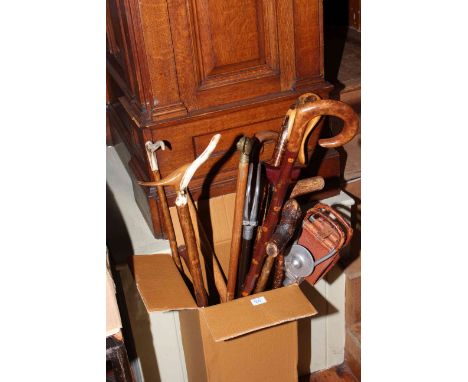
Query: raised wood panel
x,y
159,53
117,38
114,31
235,40
231,51
220,22
308,39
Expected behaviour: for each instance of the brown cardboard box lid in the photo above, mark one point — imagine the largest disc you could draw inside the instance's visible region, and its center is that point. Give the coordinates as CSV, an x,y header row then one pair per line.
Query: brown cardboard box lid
x,y
255,312
160,285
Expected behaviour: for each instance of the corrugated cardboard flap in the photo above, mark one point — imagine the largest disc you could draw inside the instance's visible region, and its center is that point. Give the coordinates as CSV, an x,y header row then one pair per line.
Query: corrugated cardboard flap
x,y
241,316
160,285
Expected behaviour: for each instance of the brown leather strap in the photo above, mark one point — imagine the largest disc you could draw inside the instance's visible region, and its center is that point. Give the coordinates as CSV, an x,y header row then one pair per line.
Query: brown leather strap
x,y
328,232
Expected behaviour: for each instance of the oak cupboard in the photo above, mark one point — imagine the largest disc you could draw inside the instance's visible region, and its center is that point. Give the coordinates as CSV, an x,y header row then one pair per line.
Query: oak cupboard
x,y
181,70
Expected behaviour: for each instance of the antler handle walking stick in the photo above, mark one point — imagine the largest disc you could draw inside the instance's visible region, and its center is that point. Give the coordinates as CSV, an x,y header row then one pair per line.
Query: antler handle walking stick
x,y
306,111
180,179
245,147
153,162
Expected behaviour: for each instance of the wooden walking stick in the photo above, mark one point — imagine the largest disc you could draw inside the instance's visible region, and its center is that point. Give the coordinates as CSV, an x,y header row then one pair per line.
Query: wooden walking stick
x,y
252,207
285,229
245,147
283,233
153,162
302,187
273,166
180,179
306,111
204,247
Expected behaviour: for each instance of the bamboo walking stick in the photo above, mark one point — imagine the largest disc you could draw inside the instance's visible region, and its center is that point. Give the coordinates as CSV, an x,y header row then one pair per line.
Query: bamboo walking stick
x,y
180,179
151,154
306,111
245,147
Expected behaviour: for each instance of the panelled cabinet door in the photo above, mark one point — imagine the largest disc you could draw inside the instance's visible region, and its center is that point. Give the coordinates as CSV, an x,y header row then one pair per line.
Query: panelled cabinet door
x,y
228,51
121,51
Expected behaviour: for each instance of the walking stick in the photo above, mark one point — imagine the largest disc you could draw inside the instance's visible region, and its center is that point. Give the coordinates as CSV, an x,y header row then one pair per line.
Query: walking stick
x,y
306,111
272,168
245,147
180,179
252,203
302,187
283,233
204,247
151,154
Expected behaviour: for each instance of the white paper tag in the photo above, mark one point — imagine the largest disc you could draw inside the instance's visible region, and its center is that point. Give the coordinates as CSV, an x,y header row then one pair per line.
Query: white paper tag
x,y
258,300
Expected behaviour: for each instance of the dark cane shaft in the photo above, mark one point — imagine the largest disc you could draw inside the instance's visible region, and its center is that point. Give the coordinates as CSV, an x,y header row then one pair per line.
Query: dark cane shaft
x,y
192,252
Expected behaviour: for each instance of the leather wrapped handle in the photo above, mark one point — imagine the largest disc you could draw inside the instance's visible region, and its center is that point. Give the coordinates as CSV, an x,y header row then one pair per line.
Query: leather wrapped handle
x,y
309,110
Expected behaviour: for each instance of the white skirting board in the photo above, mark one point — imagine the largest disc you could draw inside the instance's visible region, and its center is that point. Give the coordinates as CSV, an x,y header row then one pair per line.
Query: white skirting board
x,y
157,338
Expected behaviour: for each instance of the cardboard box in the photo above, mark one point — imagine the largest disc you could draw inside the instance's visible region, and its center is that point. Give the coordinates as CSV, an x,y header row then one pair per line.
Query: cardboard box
x,y
157,335
252,338
165,346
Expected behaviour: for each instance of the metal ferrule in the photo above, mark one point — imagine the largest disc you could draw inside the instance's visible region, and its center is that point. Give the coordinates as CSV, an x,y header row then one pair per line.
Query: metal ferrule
x,y
181,199
245,145
248,229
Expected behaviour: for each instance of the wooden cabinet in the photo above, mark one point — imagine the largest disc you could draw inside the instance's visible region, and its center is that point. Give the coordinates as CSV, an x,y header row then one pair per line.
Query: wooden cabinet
x,y
181,70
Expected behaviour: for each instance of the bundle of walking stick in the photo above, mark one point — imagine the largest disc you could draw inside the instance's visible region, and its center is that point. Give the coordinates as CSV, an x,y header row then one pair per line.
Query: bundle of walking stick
x,y
265,191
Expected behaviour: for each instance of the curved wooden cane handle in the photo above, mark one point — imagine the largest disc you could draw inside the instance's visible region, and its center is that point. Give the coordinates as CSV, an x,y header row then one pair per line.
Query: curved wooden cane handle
x,y
310,110
266,136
